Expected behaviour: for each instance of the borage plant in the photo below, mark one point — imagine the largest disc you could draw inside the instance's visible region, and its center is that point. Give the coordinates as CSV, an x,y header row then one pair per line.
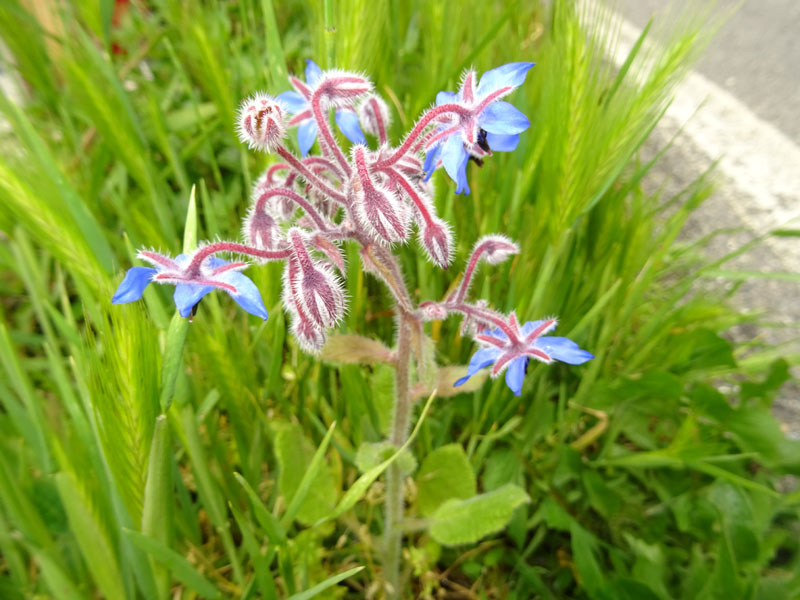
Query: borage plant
x,y
304,209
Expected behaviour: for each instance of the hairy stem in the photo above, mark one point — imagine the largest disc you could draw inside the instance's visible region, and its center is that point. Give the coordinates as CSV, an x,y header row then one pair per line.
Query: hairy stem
x,y
393,535
309,176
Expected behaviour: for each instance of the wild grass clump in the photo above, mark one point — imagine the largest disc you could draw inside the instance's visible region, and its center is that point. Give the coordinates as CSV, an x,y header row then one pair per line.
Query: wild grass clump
x,y
144,457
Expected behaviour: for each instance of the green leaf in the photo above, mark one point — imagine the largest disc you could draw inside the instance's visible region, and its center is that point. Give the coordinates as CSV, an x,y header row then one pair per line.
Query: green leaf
x,y
447,376
306,480
268,522
583,552
362,484
178,327
329,582
445,473
351,348
467,521
371,454
181,568
157,505
92,540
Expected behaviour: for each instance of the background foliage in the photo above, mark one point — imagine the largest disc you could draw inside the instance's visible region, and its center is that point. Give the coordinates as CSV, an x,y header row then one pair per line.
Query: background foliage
x,y
655,471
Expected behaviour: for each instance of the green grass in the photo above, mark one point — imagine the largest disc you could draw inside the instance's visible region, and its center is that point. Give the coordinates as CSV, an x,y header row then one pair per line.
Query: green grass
x,y
645,481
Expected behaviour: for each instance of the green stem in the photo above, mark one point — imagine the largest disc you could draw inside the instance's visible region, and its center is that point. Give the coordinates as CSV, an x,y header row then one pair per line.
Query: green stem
x,y
394,476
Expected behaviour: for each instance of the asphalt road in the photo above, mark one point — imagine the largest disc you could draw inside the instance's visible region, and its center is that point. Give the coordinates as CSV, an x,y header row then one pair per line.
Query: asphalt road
x,y
748,83
755,56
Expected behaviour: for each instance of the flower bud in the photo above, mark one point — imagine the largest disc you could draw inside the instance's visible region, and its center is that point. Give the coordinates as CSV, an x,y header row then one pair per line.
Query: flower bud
x,y
309,336
437,241
261,122
376,207
495,248
261,230
374,115
316,290
342,88
432,311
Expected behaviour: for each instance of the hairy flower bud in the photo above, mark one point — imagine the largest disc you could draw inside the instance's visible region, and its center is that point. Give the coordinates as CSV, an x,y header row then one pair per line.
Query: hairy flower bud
x,y
495,249
432,311
260,122
342,88
437,241
377,208
261,230
317,291
310,337
374,115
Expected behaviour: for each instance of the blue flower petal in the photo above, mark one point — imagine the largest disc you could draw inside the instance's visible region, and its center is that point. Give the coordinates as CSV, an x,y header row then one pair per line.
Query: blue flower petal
x,y
480,360
515,374
510,75
502,143
431,158
495,333
529,326
247,295
454,159
306,134
215,262
502,117
187,295
445,98
347,120
294,102
563,349
313,72
132,286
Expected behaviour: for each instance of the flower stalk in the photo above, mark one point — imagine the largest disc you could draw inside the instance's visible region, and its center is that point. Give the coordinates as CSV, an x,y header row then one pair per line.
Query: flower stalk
x,y
304,209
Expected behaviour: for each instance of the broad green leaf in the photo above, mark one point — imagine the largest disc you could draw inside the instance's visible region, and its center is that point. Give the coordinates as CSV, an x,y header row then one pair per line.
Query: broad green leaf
x,y
444,474
351,348
447,376
181,568
371,454
467,521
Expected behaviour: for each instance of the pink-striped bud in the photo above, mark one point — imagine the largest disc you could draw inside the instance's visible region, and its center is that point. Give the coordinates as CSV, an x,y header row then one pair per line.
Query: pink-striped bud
x,y
261,230
495,248
310,337
376,207
374,115
316,290
342,88
261,122
437,241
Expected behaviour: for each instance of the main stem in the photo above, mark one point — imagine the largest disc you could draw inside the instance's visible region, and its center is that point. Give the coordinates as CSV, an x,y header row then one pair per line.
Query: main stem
x,y
394,476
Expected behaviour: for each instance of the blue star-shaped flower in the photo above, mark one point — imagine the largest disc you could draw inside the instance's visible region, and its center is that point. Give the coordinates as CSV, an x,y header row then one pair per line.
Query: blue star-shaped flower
x,y
189,289
513,355
298,103
491,125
